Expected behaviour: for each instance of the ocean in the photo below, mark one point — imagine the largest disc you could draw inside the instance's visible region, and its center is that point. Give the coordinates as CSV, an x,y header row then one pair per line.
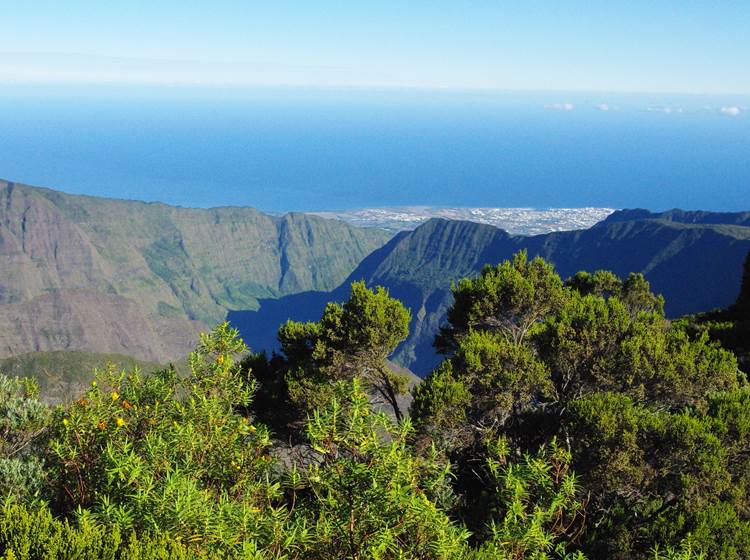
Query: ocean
x,y
321,150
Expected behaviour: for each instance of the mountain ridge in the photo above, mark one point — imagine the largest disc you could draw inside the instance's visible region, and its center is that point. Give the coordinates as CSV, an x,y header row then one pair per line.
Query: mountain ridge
x,y
680,216
142,278
130,277
696,266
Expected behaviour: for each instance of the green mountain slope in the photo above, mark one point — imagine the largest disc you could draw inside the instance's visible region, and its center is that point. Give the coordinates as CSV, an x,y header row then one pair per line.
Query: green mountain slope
x,y
65,374
140,279
696,266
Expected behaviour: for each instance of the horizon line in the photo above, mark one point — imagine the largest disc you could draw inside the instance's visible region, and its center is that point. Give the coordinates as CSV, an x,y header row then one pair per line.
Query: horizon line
x,y
395,87
36,68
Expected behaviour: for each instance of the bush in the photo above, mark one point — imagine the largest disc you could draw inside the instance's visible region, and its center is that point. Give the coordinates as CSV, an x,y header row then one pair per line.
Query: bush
x,y
23,419
151,453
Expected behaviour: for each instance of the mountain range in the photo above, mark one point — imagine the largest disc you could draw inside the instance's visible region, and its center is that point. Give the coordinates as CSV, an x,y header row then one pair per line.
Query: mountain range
x,y
694,259
129,278
142,279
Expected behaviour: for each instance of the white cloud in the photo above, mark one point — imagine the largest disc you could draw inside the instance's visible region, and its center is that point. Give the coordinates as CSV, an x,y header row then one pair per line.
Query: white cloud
x,y
602,106
733,111
667,110
561,106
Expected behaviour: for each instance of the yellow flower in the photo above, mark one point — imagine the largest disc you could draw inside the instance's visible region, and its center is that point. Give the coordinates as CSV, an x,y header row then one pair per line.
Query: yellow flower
x,y
220,359
65,421
93,383
120,422
115,395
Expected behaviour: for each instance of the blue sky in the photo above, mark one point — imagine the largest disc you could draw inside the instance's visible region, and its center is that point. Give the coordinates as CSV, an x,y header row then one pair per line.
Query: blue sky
x,y
663,46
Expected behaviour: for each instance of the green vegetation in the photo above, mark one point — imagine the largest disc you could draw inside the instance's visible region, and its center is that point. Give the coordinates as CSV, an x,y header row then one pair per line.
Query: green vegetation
x,y
63,375
567,420
351,340
694,259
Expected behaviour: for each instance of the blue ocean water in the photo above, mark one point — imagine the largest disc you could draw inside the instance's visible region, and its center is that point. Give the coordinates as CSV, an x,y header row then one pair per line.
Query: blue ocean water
x,y
282,150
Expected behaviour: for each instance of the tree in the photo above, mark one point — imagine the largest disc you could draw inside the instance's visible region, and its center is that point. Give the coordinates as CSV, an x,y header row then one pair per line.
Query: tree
x,y
604,371
601,283
439,409
654,476
349,341
367,494
594,344
742,306
509,298
484,388
637,296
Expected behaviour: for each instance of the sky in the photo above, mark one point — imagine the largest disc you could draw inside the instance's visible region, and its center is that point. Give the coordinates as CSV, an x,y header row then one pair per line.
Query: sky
x,y
688,46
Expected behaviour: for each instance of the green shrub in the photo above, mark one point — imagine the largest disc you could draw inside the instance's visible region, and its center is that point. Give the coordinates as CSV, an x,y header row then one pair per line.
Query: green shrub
x,y
151,453
365,493
23,419
33,534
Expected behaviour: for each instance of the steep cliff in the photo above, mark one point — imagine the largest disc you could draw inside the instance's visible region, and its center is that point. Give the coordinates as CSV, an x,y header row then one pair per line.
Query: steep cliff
x,y
140,279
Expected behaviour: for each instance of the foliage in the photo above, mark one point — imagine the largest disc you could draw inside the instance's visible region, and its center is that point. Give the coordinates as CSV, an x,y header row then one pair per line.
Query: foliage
x,y
742,305
730,327
509,298
23,418
653,475
567,419
485,387
537,512
439,408
350,341
596,344
365,494
148,466
594,363
600,283
34,534
147,453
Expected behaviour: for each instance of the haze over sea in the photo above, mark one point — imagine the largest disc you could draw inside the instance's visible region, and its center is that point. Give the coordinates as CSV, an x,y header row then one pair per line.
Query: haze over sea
x,y
293,149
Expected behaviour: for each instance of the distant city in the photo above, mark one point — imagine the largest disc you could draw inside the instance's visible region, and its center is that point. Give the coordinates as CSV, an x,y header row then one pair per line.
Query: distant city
x,y
517,221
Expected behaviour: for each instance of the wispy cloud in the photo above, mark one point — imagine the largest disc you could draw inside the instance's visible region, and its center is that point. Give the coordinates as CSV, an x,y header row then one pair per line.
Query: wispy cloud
x,y
87,68
667,110
732,111
602,106
560,106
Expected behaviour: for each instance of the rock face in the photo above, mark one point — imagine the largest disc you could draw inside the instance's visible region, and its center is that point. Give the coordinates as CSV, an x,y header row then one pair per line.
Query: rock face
x,y
141,279
695,264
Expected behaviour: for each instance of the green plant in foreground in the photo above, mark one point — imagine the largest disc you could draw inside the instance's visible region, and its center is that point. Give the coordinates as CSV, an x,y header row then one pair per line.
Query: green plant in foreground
x,y
365,493
151,453
23,418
